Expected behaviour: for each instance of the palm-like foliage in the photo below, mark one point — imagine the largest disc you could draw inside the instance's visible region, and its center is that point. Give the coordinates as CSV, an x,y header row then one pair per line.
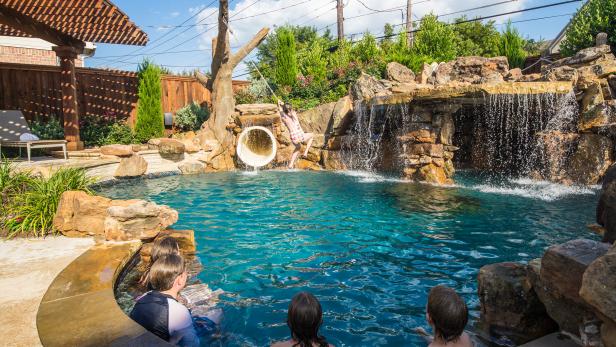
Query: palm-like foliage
x,y
32,211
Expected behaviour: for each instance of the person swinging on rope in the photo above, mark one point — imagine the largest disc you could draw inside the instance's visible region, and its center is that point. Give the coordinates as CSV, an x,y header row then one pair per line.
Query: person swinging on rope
x,y
297,134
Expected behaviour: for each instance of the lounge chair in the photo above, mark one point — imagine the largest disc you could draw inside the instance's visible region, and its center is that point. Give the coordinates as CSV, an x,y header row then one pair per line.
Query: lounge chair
x,y
13,124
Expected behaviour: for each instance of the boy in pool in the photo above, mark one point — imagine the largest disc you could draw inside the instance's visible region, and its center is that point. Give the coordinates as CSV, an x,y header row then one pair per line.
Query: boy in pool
x,y
159,310
447,314
290,119
304,318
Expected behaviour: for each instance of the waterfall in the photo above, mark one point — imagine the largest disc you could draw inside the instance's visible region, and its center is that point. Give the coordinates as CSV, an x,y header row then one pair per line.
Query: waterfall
x,y
523,133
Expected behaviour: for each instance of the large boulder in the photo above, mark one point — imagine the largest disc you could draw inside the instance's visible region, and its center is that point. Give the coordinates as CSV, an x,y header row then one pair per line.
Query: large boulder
x,y
474,70
399,73
558,278
171,149
584,56
366,87
191,167
117,150
555,146
138,220
257,109
80,214
133,166
606,211
509,304
332,160
342,116
593,111
561,73
427,72
591,159
317,120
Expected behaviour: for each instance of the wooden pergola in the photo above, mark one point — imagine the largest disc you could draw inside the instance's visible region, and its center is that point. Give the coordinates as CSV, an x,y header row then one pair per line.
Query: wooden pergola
x,y
68,24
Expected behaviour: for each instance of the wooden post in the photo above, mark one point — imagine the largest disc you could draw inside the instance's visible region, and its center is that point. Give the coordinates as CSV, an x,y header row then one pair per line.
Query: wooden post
x,y
70,109
409,22
339,9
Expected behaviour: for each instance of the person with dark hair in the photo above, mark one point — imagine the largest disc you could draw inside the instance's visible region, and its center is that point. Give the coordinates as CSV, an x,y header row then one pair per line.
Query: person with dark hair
x,y
304,319
296,133
159,310
160,247
447,314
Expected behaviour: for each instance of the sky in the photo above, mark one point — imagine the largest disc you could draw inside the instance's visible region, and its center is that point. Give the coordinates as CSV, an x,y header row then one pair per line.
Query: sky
x,y
180,32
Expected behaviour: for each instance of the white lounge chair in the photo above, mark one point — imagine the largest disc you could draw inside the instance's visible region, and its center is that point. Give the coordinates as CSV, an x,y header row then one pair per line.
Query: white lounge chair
x,y
13,124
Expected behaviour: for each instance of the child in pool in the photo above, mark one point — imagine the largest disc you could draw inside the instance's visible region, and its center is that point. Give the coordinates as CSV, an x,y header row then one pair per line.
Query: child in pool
x,y
290,119
304,319
447,314
161,247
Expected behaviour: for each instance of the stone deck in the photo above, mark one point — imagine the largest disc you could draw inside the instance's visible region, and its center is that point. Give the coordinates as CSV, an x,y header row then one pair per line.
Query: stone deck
x,y
27,267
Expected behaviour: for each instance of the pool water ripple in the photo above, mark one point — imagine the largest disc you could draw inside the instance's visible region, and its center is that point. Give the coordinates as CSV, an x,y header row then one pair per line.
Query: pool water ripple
x,y
369,247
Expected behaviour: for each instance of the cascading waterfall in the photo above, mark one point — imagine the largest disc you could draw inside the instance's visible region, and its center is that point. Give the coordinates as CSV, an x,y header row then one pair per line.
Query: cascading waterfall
x,y
515,133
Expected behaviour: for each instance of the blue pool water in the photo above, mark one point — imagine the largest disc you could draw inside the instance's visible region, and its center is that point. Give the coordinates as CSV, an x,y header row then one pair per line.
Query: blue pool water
x,y
368,247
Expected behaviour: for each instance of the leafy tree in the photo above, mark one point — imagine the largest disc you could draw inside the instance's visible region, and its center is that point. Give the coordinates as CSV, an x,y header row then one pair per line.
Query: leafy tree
x,y
535,47
594,17
512,46
286,60
150,123
476,38
435,41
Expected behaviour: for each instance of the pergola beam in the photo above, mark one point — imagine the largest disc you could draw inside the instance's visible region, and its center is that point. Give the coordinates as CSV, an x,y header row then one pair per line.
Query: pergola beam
x,y
25,24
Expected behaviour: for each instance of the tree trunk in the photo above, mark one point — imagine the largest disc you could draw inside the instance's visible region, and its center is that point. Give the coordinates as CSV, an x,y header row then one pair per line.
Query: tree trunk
x,y
221,87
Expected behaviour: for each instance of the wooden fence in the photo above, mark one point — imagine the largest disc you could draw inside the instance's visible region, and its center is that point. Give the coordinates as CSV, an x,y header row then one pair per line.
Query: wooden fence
x,y
35,90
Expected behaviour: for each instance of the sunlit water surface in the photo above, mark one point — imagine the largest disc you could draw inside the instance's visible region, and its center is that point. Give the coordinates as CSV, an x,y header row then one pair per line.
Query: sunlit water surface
x,y
368,247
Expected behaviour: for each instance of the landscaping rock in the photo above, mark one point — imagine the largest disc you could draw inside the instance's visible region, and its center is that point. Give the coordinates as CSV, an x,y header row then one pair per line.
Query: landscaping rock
x,y
447,129
510,304
563,266
191,145
592,111
154,143
474,70
191,167
591,159
399,73
332,160
117,150
138,220
171,149
586,55
431,173
258,120
366,87
561,73
304,164
530,77
427,72
514,75
432,150
80,214
570,315
342,116
317,120
133,166
606,210
599,285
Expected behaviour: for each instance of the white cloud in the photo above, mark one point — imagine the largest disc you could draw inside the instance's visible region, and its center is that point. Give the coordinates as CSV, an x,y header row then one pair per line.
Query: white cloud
x,y
174,14
322,13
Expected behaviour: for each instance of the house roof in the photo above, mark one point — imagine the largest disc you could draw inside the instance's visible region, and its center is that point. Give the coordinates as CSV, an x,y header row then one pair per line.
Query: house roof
x,y
84,20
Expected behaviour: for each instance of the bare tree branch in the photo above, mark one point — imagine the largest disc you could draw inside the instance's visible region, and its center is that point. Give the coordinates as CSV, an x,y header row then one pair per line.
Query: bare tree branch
x,y
247,48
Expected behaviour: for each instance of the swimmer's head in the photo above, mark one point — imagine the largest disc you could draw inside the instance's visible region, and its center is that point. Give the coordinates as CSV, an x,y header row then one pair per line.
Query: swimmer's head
x,y
164,246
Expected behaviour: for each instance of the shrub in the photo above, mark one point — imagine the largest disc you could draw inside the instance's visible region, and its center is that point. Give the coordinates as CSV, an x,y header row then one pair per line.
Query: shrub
x,y
190,117
32,212
12,183
594,17
286,61
476,38
51,129
150,123
435,39
512,46
101,131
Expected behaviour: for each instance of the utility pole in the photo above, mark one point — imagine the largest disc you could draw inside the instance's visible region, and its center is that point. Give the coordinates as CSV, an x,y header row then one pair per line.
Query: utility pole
x,y
409,22
339,7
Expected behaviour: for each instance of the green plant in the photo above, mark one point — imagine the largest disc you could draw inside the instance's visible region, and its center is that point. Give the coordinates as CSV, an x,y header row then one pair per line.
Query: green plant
x,y
12,183
435,39
51,129
594,17
190,117
32,212
286,60
119,133
512,46
150,123
476,38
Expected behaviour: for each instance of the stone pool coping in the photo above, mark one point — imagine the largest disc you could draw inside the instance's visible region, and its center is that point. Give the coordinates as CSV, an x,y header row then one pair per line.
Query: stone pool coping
x,y
80,309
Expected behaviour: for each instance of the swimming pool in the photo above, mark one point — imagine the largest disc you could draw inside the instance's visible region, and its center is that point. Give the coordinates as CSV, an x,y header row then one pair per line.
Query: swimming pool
x,y
368,247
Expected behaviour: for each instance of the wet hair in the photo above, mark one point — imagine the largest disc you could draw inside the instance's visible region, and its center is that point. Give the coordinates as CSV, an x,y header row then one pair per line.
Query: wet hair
x,y
165,270
287,107
448,313
160,247
305,317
